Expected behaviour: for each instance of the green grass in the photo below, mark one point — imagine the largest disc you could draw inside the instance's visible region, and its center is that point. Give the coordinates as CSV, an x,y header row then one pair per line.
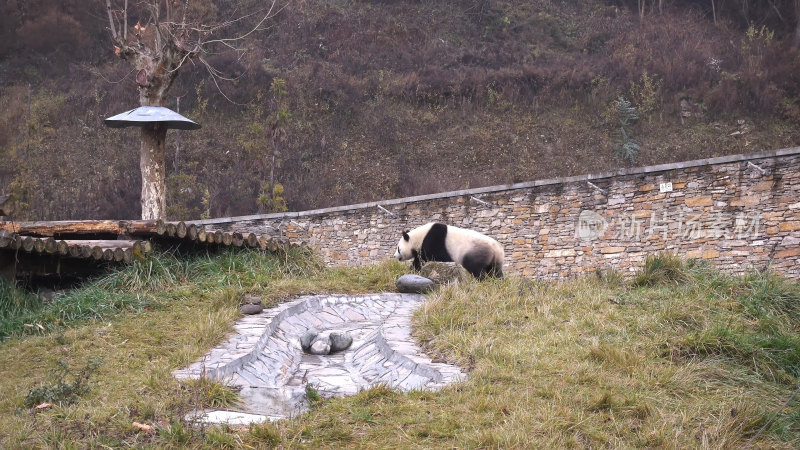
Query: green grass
x,y
691,359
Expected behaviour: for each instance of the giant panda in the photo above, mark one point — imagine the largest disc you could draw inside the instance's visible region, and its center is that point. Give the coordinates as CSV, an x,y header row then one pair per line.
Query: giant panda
x,y
479,254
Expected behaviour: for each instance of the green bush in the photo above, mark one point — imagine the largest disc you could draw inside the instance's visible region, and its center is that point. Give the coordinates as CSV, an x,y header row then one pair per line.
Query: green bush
x,y
661,269
65,386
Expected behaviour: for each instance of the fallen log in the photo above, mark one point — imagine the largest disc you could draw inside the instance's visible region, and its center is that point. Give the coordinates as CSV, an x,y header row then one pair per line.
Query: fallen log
x,y
180,230
227,239
86,227
85,251
50,246
7,238
172,229
146,227
237,239
96,252
27,243
109,243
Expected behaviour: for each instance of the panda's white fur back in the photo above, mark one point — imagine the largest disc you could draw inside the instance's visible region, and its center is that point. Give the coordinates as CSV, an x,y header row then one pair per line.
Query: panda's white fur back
x,y
457,237
459,243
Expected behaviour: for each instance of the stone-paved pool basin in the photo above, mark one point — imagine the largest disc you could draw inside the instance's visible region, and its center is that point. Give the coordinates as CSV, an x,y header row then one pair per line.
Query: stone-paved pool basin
x,y
265,361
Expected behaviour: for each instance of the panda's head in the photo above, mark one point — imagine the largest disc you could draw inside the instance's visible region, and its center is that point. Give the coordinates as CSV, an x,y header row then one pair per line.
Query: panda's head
x,y
405,249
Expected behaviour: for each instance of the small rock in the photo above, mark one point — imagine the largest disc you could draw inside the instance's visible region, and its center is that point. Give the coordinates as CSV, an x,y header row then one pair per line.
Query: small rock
x,y
250,300
414,284
307,339
250,309
326,342
46,295
340,340
320,347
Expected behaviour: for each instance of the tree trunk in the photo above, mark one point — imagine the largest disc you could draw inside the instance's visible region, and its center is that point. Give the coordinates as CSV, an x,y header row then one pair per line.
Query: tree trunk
x,y
272,182
714,11
154,187
177,141
796,40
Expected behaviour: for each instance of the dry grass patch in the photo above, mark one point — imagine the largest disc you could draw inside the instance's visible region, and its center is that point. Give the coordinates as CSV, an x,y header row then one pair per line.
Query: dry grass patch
x,y
579,364
192,303
707,361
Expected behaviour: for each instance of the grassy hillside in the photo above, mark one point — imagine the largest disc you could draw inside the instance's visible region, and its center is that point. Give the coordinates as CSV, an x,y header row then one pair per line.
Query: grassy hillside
x,y
388,99
681,356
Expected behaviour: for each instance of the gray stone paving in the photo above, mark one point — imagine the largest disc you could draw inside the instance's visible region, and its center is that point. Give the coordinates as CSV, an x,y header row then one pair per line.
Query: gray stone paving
x,y
264,358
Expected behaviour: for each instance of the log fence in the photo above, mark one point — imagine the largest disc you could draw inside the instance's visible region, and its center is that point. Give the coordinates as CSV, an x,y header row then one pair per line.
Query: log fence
x,y
112,241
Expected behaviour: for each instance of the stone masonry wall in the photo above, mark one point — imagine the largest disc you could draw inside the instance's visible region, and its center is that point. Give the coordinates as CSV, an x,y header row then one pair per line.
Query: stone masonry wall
x,y
739,211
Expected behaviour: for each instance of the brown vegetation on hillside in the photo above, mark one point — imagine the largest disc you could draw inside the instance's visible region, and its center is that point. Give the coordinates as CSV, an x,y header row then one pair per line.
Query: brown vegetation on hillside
x,y
387,99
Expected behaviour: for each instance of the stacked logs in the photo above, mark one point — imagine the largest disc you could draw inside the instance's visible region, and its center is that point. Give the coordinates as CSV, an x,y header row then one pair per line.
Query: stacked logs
x,y
43,248
171,232
106,250
198,234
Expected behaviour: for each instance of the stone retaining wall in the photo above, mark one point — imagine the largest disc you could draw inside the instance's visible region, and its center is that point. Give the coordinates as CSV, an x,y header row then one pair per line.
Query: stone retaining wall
x,y
739,211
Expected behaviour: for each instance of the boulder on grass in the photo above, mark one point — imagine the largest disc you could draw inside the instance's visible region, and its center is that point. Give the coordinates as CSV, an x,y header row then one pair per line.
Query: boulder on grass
x,y
250,309
414,284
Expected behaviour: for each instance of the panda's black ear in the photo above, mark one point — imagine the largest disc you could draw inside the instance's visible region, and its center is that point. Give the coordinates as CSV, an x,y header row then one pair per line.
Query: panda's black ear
x,y
405,235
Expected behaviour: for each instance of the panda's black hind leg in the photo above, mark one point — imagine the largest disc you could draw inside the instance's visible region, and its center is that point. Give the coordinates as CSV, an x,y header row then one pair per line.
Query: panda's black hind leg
x,y
494,270
475,265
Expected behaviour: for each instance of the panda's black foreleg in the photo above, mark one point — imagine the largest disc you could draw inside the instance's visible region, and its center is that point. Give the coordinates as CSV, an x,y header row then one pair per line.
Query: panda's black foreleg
x,y
417,264
474,265
494,270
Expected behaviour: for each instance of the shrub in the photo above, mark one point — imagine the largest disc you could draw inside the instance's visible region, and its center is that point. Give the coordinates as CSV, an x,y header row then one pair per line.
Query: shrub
x,y
65,386
627,148
208,393
765,294
662,269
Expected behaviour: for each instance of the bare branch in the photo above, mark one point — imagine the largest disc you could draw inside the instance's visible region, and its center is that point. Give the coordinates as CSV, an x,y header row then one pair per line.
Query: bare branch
x,y
157,20
182,62
214,78
111,20
777,11
183,20
217,73
268,15
125,27
99,74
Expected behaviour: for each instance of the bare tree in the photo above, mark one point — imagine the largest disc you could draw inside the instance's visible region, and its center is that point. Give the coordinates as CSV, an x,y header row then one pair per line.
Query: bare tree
x,y
277,133
157,46
796,39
